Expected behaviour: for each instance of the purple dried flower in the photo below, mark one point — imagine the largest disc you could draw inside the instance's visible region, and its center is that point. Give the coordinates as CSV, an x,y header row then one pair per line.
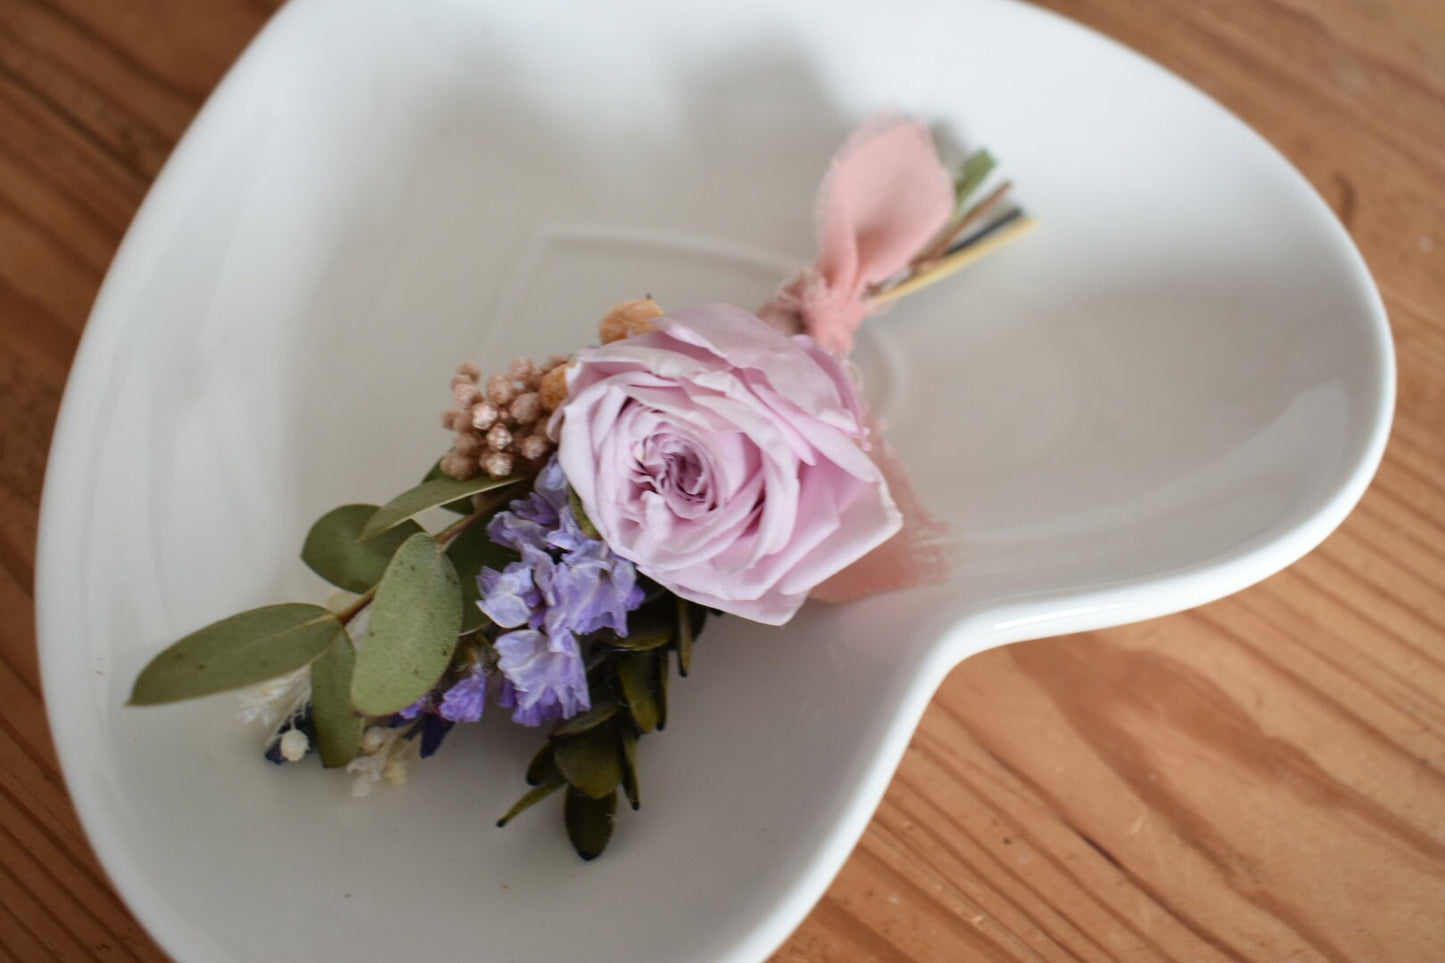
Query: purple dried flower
x,y
566,584
546,674
551,484
509,597
464,701
433,730
528,521
590,589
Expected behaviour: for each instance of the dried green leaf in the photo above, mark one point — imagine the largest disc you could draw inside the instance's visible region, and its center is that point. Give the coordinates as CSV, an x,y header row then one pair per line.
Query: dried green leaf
x,y
589,822
638,675
651,591
684,636
650,627
591,719
628,745
530,798
977,167
659,690
338,727
470,552
243,650
698,616
415,618
430,494
542,769
599,669
580,514
334,549
588,760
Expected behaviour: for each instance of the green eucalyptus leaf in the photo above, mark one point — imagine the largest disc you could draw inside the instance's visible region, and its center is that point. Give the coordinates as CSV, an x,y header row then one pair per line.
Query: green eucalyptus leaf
x,y
430,494
590,719
542,769
462,506
638,675
470,552
628,746
530,798
243,650
334,549
589,822
588,760
338,727
415,619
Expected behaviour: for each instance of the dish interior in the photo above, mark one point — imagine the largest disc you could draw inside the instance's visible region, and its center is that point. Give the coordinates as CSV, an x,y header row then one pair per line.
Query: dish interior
x,y
1166,392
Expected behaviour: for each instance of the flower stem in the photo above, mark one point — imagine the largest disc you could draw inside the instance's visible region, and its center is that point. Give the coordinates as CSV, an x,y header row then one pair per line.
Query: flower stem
x,y
957,260
446,535
950,234
354,609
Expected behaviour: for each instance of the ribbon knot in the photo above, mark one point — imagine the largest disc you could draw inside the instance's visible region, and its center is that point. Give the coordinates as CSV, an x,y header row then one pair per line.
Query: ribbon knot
x,y
885,196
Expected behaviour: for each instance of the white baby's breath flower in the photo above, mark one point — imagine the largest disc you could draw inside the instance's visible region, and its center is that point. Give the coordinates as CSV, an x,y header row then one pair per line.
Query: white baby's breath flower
x,y
294,745
278,700
373,739
384,755
366,771
404,754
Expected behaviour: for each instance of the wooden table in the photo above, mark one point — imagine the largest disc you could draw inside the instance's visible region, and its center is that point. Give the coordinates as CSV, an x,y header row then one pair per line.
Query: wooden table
x,y
1260,779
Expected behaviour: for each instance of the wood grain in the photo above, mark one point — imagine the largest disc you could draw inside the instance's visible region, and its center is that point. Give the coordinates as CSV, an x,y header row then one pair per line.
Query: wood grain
x,y
1260,779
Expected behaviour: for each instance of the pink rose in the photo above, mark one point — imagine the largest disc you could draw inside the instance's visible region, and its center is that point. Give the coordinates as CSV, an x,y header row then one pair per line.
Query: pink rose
x,y
724,459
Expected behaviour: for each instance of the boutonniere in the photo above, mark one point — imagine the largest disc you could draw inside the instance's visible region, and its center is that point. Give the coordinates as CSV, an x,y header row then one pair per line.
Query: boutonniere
x,y
595,511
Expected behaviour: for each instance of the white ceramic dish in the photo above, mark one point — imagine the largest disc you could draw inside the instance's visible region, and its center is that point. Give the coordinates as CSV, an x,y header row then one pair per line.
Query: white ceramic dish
x,y
1176,387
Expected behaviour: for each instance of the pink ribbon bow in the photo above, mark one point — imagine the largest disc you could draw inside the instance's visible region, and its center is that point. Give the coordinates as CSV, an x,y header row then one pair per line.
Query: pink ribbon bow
x,y
885,196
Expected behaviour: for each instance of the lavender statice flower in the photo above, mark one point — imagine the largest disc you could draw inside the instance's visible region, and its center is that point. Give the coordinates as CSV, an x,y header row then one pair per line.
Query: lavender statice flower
x,y
530,520
464,701
434,729
567,584
509,597
588,590
415,709
546,673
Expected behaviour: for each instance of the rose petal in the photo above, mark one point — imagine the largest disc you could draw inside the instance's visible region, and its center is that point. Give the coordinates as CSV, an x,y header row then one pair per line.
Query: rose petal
x,y
724,460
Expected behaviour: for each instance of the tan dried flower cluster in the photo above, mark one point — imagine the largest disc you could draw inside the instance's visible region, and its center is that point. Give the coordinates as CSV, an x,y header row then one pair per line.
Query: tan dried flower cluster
x,y
501,425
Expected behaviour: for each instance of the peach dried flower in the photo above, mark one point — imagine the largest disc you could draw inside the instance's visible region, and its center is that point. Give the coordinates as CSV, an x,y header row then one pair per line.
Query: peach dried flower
x,y
554,388
629,318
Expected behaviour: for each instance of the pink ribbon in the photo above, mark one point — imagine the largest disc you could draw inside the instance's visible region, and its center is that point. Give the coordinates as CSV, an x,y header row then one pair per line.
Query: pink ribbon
x,y
916,555
884,197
